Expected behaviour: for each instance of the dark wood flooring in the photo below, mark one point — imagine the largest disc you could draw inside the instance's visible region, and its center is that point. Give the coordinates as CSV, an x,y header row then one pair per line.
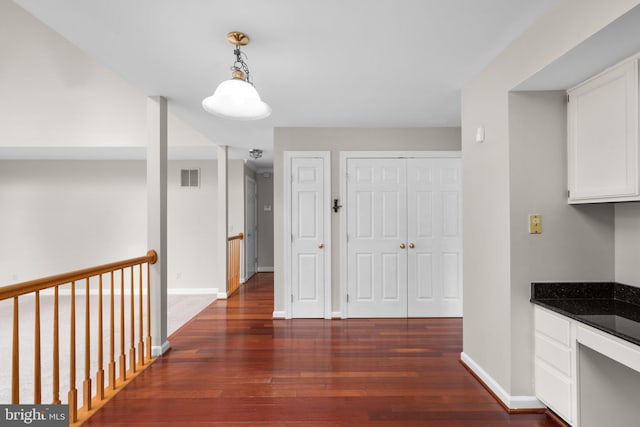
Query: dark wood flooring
x,y
234,365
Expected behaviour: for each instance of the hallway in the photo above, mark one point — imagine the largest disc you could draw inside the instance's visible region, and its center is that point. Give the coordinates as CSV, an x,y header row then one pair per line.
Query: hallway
x,y
234,365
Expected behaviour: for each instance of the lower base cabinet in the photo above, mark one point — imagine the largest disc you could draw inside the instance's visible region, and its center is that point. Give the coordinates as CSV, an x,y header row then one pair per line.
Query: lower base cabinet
x,y
555,382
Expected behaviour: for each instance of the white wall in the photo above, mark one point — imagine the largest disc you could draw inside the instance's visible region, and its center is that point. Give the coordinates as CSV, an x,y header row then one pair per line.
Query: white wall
x,y
62,216
495,328
191,226
336,140
53,95
59,216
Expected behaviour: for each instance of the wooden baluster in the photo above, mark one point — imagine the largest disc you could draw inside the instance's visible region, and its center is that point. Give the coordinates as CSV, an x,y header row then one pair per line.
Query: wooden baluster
x,y
229,284
140,314
148,311
132,324
37,377
73,392
15,362
100,372
112,361
56,349
86,395
123,358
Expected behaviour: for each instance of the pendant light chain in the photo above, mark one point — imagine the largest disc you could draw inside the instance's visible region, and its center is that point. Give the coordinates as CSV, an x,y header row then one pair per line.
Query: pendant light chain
x,y
240,65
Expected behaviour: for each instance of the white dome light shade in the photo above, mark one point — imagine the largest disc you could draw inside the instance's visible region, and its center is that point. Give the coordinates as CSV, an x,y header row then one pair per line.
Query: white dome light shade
x,y
238,100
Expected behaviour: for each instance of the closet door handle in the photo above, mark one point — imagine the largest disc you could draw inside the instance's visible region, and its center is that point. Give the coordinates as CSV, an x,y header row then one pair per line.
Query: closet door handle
x,y
320,245
411,246
402,246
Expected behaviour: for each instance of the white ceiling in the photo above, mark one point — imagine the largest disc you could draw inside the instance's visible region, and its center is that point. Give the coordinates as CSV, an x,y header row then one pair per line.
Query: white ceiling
x,y
330,63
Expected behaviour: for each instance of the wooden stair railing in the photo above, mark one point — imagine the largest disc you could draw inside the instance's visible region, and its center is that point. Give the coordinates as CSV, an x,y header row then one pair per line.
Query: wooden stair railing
x,y
104,391
233,261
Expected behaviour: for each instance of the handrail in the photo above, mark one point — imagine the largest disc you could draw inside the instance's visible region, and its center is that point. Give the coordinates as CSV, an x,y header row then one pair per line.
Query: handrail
x,y
238,236
128,365
30,286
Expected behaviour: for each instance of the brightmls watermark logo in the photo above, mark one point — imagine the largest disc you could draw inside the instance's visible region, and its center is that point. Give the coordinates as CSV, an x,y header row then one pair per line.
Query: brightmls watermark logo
x,y
34,415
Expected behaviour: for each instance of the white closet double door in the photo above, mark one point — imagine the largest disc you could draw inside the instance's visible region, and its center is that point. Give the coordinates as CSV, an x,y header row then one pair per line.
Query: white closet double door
x,y
404,244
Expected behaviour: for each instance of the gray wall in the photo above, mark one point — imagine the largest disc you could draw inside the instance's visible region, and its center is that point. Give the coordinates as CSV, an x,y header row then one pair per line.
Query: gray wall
x,y
495,327
265,220
577,240
628,243
336,140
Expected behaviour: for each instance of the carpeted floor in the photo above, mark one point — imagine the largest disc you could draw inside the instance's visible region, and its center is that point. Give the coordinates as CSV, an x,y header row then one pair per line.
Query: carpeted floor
x,y
181,308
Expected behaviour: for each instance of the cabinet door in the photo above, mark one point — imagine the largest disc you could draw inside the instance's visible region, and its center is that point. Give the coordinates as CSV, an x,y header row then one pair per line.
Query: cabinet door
x,y
554,363
603,137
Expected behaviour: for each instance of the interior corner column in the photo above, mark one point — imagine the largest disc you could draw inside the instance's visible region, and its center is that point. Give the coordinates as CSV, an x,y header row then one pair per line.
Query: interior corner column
x,y
157,219
223,201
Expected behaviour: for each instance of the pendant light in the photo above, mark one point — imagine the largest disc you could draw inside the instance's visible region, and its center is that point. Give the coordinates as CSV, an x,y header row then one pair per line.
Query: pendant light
x,y
237,98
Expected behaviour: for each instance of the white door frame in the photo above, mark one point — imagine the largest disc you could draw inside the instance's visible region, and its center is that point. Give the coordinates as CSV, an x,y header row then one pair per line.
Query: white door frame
x,y
247,180
288,156
346,155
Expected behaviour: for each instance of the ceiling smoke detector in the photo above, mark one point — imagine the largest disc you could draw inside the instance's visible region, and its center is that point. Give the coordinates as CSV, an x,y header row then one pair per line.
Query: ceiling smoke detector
x,y
255,153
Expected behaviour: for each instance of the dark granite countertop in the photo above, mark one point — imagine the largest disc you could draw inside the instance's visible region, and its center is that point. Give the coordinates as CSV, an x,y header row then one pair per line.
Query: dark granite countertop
x,y
611,307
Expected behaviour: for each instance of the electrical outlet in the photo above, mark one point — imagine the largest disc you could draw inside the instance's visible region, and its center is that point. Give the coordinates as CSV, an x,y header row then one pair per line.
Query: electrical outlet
x,y
535,224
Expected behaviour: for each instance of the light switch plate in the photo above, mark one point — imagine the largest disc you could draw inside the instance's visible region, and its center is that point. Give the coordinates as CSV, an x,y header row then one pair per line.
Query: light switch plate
x,y
535,224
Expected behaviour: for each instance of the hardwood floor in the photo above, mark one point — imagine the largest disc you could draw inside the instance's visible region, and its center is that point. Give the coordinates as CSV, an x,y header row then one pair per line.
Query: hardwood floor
x,y
234,365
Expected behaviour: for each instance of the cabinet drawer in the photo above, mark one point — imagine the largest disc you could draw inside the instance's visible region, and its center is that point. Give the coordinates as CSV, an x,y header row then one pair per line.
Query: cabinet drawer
x,y
553,390
554,354
552,326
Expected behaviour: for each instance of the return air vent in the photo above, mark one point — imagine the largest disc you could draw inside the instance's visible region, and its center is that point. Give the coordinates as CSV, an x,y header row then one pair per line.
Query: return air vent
x,y
189,177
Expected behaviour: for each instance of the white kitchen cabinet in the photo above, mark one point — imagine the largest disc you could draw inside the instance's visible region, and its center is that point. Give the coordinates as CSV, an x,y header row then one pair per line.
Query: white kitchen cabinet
x,y
559,376
554,363
602,135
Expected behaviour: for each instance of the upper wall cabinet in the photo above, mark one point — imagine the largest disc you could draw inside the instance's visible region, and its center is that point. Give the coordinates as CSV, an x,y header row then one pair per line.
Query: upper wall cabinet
x,y
602,137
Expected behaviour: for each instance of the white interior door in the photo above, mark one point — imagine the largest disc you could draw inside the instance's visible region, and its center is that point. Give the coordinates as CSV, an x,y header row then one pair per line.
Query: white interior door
x,y
307,237
377,230
251,228
434,238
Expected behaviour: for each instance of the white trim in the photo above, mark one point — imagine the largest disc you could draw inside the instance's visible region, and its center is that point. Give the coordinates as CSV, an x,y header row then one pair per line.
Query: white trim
x,y
192,291
279,315
622,351
265,270
159,350
400,154
247,180
326,156
511,402
336,315
222,295
344,156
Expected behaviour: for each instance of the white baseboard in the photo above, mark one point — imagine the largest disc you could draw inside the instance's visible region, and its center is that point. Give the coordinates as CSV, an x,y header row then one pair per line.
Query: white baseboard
x,y
159,350
265,270
192,291
336,315
222,295
279,315
511,402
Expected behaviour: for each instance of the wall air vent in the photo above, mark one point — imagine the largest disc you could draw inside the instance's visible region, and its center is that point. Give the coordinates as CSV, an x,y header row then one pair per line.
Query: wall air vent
x,y
189,177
